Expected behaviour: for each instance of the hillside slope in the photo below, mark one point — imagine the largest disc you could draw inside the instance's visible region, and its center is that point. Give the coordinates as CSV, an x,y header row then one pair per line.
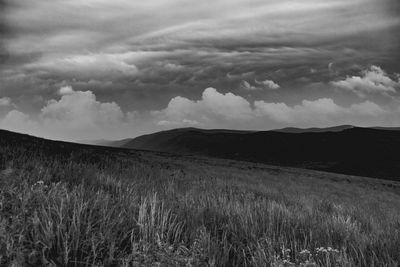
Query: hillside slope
x,y
65,204
357,151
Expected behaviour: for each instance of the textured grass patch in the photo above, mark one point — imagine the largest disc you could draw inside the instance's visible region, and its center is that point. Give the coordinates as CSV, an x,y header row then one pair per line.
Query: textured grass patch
x,y
97,207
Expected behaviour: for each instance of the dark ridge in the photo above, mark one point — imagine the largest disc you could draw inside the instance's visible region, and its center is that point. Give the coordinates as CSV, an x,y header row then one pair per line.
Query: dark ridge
x,y
123,142
344,149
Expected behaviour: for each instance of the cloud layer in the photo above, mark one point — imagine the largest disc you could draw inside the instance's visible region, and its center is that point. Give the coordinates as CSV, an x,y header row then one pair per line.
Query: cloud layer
x,y
139,66
78,115
216,109
374,80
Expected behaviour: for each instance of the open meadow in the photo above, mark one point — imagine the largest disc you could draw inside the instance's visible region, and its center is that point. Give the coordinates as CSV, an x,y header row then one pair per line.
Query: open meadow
x,y
64,204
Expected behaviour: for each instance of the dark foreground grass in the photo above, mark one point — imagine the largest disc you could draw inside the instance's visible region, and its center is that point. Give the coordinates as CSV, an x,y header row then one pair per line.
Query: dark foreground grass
x,y
100,207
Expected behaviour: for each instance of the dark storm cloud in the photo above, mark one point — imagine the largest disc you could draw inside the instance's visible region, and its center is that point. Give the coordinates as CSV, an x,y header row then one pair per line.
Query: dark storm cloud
x,y
141,54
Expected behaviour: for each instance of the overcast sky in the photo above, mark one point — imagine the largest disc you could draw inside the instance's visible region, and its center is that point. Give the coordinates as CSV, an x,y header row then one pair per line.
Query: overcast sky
x,y
91,69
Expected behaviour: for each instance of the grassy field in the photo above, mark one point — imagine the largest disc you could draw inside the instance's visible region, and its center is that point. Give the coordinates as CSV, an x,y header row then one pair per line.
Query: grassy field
x,y
73,205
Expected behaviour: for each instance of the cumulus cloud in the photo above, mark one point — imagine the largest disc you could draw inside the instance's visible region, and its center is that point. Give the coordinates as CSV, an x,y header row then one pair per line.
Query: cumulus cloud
x,y
228,106
374,80
216,109
322,109
213,106
20,122
318,112
269,84
79,109
77,114
247,86
5,102
66,90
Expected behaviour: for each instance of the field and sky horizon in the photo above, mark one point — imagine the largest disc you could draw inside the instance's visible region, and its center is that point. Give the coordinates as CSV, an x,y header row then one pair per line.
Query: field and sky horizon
x,y
200,133
95,69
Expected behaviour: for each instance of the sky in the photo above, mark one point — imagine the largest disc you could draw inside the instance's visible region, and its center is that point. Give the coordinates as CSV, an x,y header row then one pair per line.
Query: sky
x,y
100,69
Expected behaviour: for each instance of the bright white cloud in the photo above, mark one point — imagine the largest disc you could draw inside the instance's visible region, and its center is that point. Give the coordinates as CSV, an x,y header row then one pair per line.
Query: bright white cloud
x,y
227,106
66,90
20,122
308,111
318,112
213,106
247,86
373,80
79,109
75,115
216,110
269,84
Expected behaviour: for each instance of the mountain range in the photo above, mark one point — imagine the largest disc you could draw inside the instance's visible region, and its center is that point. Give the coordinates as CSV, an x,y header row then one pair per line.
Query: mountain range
x,y
371,152
343,149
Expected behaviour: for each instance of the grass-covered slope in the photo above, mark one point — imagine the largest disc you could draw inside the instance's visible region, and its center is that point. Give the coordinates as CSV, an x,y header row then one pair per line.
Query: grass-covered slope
x,y
64,204
348,150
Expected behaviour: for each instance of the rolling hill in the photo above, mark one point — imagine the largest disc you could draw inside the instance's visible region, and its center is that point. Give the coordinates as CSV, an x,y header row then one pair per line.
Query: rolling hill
x,y
344,149
66,204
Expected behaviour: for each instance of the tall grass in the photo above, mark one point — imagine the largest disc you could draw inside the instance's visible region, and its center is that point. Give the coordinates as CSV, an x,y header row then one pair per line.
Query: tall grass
x,y
143,209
